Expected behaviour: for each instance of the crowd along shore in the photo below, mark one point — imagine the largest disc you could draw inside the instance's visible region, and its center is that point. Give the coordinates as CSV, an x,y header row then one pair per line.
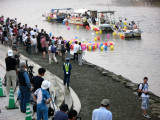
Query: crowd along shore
x,y
93,83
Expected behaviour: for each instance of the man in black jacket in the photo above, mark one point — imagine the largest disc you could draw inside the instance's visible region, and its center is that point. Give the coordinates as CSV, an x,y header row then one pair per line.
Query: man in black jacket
x,y
10,70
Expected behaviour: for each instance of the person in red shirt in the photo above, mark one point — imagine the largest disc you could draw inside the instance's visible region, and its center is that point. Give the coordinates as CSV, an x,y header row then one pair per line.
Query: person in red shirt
x,y
15,30
44,45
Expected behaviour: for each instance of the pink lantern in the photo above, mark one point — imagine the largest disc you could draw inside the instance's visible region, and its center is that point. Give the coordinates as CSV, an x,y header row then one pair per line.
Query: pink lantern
x,y
83,47
108,36
68,28
97,45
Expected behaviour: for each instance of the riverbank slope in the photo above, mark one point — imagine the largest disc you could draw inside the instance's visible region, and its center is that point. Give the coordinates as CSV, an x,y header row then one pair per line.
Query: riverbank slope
x,y
91,87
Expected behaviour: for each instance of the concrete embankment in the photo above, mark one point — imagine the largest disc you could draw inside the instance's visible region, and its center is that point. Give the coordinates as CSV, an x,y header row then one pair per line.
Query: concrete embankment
x,y
92,84
61,95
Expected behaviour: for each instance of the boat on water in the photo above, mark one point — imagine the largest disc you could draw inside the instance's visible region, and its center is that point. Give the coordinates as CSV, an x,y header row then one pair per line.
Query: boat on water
x,y
78,17
128,30
57,15
102,20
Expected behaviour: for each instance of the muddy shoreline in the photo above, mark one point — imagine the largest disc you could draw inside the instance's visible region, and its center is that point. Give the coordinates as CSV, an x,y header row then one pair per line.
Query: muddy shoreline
x,y
92,84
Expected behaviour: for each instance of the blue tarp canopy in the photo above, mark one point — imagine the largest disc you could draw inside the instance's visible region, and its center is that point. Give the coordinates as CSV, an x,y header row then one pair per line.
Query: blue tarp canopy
x,y
61,9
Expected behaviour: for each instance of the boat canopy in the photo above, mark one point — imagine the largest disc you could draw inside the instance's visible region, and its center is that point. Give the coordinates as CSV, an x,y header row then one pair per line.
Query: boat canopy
x,y
112,12
80,11
61,9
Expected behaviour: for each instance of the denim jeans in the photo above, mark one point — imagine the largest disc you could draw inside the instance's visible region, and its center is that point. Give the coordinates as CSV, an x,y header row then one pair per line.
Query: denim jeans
x,y
29,49
25,97
34,48
76,57
42,113
68,54
66,79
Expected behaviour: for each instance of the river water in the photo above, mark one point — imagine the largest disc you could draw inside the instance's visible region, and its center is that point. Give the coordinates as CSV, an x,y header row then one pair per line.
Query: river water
x,y
133,58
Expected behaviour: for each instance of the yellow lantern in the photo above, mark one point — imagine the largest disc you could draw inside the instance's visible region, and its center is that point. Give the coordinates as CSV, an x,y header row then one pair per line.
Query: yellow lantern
x,y
101,48
95,38
111,47
90,48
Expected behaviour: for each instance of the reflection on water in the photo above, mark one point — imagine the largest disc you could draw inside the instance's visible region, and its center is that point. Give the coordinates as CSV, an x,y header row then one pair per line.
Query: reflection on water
x,y
133,58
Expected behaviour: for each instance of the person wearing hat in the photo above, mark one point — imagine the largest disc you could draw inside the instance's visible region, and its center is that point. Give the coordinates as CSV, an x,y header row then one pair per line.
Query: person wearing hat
x,y
42,97
62,114
11,65
24,86
67,67
102,113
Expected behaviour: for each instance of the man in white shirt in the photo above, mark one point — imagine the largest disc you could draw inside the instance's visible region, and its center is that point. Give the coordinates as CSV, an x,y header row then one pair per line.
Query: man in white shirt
x,y
34,43
102,113
36,28
76,52
51,53
32,32
143,88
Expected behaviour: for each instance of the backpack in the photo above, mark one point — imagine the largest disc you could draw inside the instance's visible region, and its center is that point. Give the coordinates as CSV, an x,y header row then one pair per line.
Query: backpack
x,y
63,50
139,93
53,50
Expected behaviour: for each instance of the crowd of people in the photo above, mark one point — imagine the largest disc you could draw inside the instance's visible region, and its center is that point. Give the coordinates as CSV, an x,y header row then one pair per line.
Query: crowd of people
x,y
37,89
13,32
34,89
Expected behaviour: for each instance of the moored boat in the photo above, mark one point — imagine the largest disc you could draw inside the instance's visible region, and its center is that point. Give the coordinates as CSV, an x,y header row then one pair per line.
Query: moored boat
x,y
78,17
128,30
102,20
57,15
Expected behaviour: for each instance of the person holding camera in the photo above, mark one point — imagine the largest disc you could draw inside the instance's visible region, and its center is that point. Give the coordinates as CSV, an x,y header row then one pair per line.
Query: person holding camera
x,y
143,88
24,86
11,64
